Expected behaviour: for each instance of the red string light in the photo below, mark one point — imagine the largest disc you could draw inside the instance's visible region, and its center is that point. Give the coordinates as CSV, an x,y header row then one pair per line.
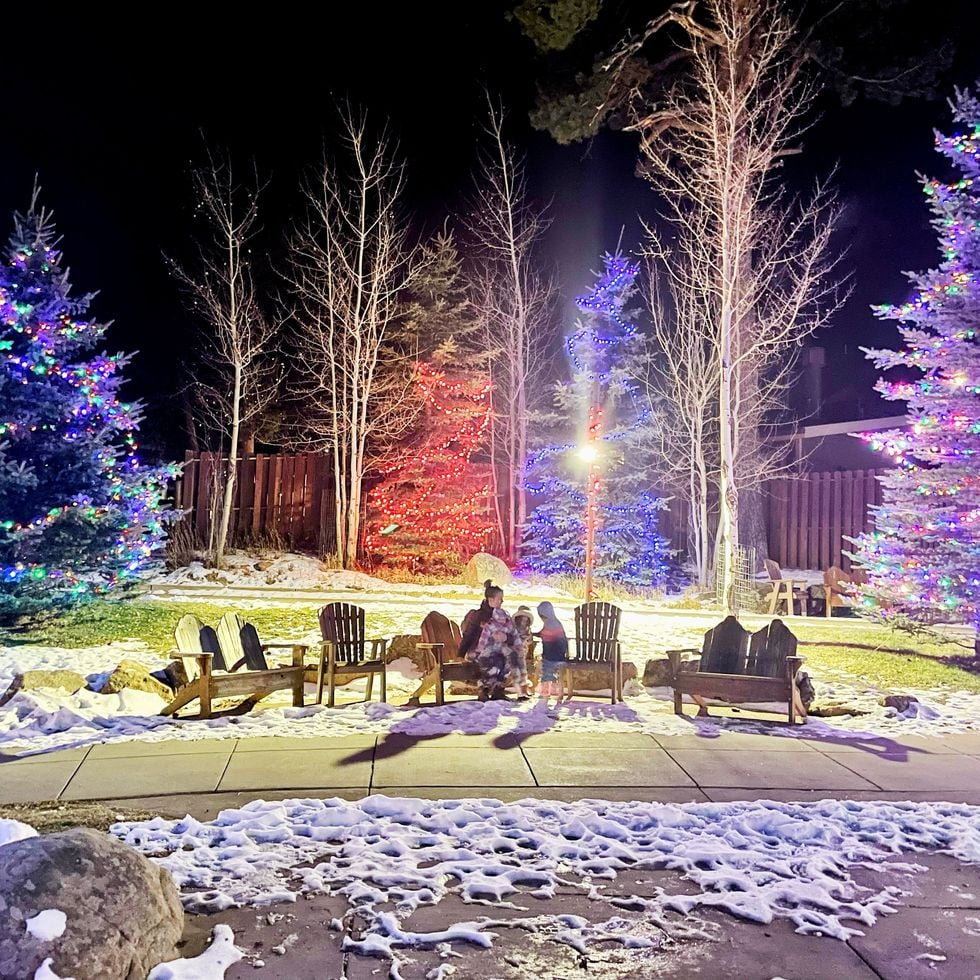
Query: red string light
x,y
432,505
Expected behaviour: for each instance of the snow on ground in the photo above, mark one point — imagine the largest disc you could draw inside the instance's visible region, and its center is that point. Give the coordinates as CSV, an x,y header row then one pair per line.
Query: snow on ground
x,y
210,965
389,857
302,572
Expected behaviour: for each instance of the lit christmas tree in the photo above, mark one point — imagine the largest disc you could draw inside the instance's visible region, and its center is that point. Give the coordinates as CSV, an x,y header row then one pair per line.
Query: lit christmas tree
x,y
599,470
79,514
431,509
923,559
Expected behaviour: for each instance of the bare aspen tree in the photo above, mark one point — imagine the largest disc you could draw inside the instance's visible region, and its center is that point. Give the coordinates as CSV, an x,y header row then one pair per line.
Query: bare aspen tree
x,y
515,302
712,140
680,383
350,260
235,375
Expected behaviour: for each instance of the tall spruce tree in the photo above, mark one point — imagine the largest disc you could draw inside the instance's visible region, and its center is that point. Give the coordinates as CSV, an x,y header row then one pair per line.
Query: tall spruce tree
x,y
923,558
598,408
79,513
430,510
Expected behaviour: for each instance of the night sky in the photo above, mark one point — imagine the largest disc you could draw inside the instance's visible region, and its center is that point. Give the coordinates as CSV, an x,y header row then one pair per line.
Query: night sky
x,y
110,115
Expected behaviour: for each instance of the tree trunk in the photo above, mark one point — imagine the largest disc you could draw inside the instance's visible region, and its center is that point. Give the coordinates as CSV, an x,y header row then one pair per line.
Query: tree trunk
x,y
232,471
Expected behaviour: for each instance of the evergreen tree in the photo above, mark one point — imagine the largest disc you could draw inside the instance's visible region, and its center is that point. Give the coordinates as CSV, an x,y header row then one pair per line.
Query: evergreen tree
x,y
923,558
79,514
431,507
598,409
431,510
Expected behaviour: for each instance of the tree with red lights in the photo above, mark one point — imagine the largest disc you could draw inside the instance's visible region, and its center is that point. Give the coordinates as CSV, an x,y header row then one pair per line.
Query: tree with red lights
x,y
432,508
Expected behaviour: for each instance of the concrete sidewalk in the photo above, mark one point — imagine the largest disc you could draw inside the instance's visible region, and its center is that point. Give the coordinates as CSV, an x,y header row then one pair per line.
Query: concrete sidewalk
x,y
934,933
211,773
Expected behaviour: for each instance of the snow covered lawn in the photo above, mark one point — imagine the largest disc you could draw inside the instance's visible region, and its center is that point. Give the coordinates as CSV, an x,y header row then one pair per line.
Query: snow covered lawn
x,y
438,875
41,720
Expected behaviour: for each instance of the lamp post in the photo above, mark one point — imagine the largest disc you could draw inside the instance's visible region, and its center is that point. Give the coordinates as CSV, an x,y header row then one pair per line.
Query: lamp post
x,y
589,452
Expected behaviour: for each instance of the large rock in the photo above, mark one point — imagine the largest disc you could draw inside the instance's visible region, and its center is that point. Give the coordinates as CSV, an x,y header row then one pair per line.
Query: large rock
x,y
32,680
123,912
657,673
482,567
136,677
900,702
598,680
406,646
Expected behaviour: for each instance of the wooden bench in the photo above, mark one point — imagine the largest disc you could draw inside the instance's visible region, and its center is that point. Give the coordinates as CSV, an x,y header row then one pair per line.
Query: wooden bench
x,y
741,668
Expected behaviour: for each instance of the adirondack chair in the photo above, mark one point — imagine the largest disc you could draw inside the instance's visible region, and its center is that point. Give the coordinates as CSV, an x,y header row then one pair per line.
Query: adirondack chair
x,y
785,590
239,643
441,638
344,651
835,593
597,648
207,686
741,668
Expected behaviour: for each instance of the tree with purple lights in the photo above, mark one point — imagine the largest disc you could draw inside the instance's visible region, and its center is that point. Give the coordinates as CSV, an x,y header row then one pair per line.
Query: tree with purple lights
x,y
923,558
79,513
600,416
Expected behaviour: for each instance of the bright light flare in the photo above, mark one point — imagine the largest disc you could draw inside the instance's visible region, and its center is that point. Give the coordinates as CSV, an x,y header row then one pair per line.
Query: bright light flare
x,y
588,453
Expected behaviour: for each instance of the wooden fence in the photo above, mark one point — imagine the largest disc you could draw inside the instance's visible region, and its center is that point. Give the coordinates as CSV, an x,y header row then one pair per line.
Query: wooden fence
x,y
809,516
290,497
285,496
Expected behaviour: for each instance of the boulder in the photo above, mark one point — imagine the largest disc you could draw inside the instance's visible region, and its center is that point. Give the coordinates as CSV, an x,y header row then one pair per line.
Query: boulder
x,y
405,646
32,680
482,567
834,709
598,680
174,675
657,673
137,677
900,702
122,912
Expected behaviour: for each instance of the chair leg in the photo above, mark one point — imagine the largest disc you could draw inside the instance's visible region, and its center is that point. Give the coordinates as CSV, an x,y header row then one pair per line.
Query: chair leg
x,y
299,689
773,599
370,685
678,703
331,681
384,687
319,674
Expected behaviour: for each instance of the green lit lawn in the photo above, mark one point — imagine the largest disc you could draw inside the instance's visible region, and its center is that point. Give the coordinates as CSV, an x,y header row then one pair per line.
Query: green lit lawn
x,y
645,635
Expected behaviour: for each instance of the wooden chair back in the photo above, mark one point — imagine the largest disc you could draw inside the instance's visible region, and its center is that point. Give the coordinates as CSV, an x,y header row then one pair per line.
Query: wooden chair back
x,y
343,624
859,576
775,572
437,628
768,650
597,632
240,642
193,636
726,648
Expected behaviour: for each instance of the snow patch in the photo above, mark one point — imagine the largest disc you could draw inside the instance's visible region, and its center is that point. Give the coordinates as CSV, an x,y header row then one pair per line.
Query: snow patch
x,y
44,972
47,925
13,830
210,965
388,857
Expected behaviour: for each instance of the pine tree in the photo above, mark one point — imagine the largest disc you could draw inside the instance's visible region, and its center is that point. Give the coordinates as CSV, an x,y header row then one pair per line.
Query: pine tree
x,y
79,514
923,559
598,409
431,507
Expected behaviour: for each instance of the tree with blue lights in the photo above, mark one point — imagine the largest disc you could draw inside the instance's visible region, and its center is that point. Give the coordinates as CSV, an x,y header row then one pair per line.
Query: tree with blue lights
x,y
79,513
923,558
599,414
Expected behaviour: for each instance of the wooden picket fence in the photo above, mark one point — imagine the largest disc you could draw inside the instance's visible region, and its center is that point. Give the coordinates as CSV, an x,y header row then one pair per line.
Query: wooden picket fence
x,y
277,497
289,498
811,514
